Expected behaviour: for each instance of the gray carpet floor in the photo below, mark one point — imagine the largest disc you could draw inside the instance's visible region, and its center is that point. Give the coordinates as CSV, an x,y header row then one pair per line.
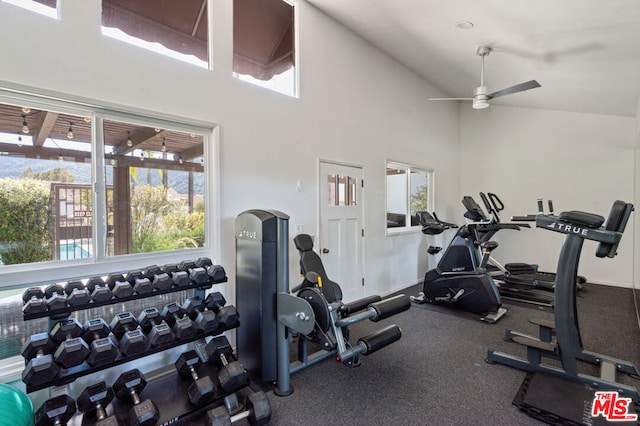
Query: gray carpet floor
x,y
436,373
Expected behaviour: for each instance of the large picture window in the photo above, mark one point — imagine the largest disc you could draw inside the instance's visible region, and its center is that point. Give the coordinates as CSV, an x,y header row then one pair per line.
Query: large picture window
x,y
408,192
87,191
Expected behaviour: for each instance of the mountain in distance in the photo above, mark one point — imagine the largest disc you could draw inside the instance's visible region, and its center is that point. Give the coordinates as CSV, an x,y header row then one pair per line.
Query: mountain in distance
x,y
14,167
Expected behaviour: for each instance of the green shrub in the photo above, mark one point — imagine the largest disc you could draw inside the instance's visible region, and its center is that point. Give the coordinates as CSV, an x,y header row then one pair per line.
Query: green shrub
x,y
26,222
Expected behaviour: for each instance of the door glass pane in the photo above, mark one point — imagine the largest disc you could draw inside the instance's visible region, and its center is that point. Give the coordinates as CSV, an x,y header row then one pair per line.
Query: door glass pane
x,y
157,181
342,190
396,197
332,191
353,182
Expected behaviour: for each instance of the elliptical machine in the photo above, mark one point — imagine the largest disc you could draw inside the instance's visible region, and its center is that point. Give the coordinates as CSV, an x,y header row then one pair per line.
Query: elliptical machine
x,y
459,280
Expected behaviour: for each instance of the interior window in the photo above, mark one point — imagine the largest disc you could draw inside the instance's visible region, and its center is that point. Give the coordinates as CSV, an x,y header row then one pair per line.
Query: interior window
x,y
408,192
178,29
264,44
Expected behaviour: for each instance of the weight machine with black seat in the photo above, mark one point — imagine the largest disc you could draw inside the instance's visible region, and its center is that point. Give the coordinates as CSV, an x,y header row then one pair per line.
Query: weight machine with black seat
x,y
313,311
560,340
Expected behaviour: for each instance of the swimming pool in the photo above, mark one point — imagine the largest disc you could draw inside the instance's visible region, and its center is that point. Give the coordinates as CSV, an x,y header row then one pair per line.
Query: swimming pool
x,y
70,251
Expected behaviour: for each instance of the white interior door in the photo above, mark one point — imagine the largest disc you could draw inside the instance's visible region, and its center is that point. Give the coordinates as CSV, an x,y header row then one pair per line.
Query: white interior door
x,y
341,237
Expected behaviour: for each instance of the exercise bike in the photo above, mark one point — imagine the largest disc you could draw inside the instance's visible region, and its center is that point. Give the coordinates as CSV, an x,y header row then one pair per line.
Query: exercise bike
x,y
460,279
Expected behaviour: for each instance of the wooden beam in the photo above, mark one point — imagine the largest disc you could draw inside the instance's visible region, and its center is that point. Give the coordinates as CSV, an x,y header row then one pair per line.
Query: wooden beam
x,y
44,127
191,153
138,137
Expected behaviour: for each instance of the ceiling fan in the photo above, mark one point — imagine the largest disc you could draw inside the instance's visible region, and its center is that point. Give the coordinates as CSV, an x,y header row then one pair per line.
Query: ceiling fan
x,y
481,95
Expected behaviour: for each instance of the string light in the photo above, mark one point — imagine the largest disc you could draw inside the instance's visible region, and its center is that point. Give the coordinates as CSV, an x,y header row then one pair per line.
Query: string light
x,y
70,132
180,160
129,142
26,110
25,127
141,156
87,119
19,140
164,146
60,157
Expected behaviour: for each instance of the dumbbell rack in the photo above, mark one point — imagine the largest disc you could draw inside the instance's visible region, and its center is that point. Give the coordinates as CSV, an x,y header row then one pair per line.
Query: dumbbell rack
x,y
62,313
170,391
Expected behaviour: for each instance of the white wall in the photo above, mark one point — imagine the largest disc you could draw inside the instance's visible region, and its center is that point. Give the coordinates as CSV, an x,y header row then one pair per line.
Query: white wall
x,y
357,105
580,161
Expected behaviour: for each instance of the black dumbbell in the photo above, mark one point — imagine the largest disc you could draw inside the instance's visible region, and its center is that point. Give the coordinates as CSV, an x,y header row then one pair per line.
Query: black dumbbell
x,y
102,348
217,273
93,402
180,278
56,297
72,350
257,412
132,339
55,411
151,271
41,367
169,268
205,321
203,262
186,265
181,325
162,281
202,390
119,286
99,290
128,387
140,283
197,273
232,374
77,294
34,301
158,332
192,306
227,315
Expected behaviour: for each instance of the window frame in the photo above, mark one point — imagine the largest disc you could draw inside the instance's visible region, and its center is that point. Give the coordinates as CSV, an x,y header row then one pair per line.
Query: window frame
x,y
408,168
42,273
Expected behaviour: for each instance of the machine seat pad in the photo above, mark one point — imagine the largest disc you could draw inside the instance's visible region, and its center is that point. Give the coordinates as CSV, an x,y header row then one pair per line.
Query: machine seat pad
x,y
589,220
310,262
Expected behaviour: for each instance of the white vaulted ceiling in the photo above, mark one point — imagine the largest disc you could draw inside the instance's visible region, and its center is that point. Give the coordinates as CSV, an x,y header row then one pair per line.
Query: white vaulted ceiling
x,y
584,53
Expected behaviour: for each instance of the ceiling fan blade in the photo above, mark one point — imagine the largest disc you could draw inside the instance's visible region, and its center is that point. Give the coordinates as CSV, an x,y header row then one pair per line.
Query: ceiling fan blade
x,y
450,99
532,84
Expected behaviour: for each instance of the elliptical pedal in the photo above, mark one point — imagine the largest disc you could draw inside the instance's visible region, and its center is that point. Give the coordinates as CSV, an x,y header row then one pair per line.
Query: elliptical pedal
x,y
494,317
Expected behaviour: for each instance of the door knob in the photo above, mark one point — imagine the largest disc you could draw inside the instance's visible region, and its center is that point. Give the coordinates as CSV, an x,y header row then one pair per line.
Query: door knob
x,y
325,250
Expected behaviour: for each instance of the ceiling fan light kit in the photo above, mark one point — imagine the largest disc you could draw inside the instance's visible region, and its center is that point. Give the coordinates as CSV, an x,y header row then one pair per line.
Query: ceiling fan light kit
x,y
481,95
